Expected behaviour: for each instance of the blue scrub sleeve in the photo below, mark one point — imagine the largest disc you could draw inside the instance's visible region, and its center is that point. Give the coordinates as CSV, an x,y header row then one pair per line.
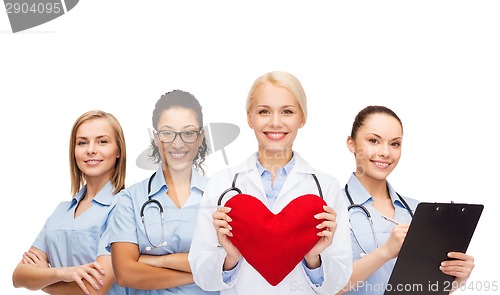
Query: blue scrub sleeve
x,y
315,275
228,275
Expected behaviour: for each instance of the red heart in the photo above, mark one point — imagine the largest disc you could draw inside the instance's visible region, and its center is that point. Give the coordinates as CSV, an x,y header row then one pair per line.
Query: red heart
x,y
274,243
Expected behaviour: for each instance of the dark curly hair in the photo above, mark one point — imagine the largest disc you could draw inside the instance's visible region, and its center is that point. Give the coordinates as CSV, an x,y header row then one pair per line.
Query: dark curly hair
x,y
182,99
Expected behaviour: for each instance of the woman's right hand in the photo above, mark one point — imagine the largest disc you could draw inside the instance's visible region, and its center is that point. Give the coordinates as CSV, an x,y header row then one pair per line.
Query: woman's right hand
x,y
91,272
395,241
223,229
35,257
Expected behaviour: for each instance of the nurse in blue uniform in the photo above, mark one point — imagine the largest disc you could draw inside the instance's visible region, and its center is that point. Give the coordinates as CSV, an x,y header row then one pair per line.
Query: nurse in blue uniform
x,y
153,224
69,255
376,141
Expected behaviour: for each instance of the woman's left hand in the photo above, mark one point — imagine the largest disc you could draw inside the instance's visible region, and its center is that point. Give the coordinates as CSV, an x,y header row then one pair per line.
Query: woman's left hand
x,y
460,266
328,227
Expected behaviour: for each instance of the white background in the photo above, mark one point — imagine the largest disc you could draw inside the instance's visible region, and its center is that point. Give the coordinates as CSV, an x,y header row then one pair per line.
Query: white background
x,y
435,63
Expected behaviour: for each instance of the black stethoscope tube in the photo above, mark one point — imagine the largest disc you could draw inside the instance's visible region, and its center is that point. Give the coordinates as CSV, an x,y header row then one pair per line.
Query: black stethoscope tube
x,y
160,208
369,217
234,188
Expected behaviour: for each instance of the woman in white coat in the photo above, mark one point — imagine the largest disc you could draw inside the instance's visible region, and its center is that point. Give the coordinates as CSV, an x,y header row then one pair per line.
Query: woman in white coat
x,y
276,175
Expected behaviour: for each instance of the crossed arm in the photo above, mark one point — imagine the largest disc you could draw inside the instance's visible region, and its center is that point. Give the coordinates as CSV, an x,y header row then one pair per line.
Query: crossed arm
x,y
34,273
147,271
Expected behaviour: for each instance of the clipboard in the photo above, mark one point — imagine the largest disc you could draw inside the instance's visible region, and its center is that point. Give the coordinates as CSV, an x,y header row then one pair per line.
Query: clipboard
x,y
436,229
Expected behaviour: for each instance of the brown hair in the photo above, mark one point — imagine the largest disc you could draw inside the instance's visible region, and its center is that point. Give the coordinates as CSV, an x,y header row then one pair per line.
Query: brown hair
x,y
118,177
368,111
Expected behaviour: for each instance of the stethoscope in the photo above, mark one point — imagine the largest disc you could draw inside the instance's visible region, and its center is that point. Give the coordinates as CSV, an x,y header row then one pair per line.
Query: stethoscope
x,y
160,209
234,188
369,217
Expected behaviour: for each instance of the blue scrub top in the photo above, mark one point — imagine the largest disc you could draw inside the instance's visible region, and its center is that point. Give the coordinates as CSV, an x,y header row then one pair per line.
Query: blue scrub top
x,y
178,225
70,241
376,283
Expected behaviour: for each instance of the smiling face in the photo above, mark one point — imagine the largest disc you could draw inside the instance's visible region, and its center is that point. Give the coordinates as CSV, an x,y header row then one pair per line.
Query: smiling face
x,y
377,146
96,149
178,155
275,117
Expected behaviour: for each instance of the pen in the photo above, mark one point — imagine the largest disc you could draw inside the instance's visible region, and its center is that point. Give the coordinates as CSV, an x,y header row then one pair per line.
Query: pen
x,y
391,220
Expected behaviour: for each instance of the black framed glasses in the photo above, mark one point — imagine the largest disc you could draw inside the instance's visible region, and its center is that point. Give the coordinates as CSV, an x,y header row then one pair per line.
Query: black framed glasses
x,y
188,136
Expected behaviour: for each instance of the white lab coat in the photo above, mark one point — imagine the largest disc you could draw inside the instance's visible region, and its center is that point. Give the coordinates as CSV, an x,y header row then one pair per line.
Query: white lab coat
x,y
206,258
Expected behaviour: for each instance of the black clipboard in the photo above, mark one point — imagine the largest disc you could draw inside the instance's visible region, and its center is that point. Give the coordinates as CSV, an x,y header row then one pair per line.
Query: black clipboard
x,y
436,229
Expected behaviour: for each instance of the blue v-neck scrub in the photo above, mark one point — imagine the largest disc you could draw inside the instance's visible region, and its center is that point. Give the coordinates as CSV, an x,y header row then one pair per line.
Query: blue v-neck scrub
x,y
70,241
178,226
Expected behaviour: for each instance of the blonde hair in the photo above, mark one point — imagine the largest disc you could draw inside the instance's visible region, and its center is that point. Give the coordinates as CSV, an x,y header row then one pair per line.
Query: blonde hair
x,y
118,177
283,79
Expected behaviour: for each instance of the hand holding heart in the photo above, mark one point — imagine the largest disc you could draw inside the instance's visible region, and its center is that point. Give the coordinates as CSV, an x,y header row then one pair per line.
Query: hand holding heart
x,y
223,229
329,225
222,220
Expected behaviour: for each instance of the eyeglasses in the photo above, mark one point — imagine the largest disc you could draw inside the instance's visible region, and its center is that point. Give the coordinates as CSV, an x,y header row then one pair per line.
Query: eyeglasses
x,y
188,136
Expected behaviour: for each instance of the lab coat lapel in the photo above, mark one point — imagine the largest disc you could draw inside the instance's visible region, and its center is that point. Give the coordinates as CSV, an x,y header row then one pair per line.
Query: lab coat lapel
x,y
249,179
296,176
256,182
292,181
